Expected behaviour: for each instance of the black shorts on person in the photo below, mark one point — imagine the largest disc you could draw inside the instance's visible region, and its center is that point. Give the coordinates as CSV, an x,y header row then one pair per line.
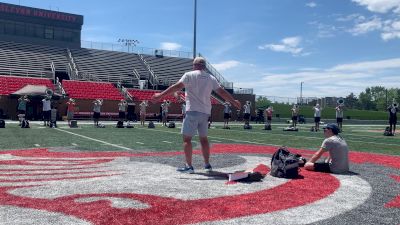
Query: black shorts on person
x,y
294,118
227,116
121,115
46,115
246,116
317,119
96,115
339,120
322,167
393,120
269,118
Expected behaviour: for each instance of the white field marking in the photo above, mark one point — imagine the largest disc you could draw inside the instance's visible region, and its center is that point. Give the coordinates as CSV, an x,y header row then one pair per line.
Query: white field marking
x,y
285,135
74,144
93,139
168,142
36,145
140,143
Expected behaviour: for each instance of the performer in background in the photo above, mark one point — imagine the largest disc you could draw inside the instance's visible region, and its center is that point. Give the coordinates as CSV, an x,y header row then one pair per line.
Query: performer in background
x,y
268,114
339,116
227,114
122,105
143,105
22,102
70,110
246,111
96,111
295,114
317,116
393,109
164,112
46,110
198,86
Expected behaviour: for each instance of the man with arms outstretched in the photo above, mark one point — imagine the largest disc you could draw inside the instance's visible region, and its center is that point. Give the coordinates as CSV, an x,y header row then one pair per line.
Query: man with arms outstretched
x,y
198,86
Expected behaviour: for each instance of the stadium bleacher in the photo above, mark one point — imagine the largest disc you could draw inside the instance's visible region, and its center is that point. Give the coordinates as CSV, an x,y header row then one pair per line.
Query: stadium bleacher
x,y
91,90
11,84
35,59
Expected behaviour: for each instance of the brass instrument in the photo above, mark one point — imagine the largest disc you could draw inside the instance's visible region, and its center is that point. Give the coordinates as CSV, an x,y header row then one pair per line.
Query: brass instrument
x,y
49,93
394,103
340,102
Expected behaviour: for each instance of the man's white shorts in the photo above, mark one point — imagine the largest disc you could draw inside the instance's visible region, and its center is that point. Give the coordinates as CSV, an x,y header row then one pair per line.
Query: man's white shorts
x,y
193,122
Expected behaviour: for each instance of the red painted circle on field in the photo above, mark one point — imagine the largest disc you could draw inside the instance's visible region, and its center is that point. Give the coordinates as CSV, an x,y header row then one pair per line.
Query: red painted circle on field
x,y
164,210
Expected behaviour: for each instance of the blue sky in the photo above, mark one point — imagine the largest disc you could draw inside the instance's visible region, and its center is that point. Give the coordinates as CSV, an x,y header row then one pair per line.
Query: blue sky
x,y
334,46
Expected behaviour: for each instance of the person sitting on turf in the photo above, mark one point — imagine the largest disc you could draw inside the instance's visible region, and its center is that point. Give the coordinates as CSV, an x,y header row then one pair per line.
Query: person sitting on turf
x,y
338,160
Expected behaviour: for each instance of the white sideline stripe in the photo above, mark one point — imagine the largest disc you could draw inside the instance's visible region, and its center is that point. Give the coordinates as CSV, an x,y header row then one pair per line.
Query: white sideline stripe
x,y
168,142
93,139
140,143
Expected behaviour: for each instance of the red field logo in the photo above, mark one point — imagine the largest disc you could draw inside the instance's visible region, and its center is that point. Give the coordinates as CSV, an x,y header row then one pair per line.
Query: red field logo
x,y
41,186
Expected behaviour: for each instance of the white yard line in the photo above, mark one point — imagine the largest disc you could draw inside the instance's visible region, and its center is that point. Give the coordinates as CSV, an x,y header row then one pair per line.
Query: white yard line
x,y
168,142
37,145
140,143
93,139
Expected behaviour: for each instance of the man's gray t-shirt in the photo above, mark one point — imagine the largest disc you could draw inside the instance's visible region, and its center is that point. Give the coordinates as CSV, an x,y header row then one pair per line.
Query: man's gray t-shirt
x,y
198,88
339,153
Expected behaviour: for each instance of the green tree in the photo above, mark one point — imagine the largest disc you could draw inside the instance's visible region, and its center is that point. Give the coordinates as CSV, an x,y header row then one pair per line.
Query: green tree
x,y
351,101
262,102
365,100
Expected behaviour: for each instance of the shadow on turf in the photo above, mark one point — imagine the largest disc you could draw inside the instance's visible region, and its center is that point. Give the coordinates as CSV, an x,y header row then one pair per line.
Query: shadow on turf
x,y
216,175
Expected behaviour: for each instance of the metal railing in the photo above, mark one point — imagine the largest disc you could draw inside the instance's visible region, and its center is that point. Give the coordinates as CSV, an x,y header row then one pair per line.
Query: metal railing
x,y
242,90
134,49
153,79
25,72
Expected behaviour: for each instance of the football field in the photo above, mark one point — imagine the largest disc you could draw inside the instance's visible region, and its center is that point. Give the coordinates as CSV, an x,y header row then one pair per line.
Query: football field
x,y
110,175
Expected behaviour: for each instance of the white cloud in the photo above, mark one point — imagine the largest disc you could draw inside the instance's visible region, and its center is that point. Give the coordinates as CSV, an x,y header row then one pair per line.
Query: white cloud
x,y
369,65
391,30
311,4
170,46
380,6
339,80
226,65
288,45
366,26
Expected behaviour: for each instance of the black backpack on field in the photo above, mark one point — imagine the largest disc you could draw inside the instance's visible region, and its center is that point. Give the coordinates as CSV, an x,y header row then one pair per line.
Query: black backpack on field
x,y
171,125
2,124
25,124
387,132
151,125
120,124
285,164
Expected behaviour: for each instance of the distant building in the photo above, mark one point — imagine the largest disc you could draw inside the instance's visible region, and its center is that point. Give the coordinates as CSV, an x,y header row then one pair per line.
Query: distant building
x,y
39,26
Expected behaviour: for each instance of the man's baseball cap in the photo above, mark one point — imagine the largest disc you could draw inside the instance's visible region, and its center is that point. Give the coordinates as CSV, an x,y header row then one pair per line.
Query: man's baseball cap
x,y
335,129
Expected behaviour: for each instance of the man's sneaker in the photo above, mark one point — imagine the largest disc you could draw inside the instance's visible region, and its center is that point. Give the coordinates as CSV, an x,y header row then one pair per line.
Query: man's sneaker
x,y
208,168
186,169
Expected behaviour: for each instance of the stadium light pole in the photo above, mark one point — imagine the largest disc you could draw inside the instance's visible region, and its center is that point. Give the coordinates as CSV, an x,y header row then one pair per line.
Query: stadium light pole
x,y
301,93
194,28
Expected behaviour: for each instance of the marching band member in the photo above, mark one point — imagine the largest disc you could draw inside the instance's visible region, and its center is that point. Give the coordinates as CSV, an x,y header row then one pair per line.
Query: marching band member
x,y
96,111
268,112
22,102
143,107
393,109
46,110
339,116
70,110
246,111
164,112
317,116
122,105
295,114
227,114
